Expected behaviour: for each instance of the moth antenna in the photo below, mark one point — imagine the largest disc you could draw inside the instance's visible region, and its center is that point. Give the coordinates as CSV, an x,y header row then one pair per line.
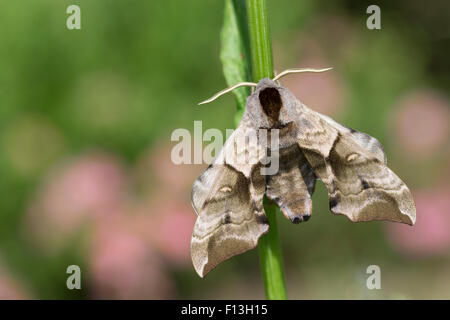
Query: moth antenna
x,y
224,91
288,71
275,74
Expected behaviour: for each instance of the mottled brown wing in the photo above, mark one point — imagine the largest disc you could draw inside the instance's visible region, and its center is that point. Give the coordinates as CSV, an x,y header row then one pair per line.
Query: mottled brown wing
x,y
353,169
292,186
228,198
363,139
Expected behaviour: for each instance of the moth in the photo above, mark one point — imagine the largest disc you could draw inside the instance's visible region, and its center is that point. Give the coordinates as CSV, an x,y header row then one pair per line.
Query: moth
x,y
228,195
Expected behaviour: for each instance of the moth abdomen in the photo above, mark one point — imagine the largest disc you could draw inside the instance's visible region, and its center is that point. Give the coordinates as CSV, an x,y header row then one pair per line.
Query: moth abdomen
x,y
227,219
300,218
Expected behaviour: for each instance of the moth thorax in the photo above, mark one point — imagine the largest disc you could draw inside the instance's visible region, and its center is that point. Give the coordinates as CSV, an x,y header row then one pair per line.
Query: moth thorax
x,y
271,104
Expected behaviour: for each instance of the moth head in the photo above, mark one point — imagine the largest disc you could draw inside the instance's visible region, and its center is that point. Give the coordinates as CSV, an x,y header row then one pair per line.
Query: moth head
x,y
266,104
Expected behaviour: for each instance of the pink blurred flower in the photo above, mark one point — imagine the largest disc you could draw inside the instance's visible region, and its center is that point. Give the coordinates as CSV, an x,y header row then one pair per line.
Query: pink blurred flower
x,y
167,219
89,187
10,289
338,36
123,265
156,170
430,235
322,92
170,228
130,239
422,122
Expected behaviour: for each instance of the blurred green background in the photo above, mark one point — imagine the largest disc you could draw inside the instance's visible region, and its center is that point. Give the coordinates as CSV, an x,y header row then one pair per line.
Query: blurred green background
x,y
85,122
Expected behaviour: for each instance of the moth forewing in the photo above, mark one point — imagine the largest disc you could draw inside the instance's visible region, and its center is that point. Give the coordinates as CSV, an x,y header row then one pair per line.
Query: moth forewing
x,y
228,198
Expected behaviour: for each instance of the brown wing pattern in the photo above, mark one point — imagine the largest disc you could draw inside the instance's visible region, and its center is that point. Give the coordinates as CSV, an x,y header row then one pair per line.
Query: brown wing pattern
x,y
359,183
228,198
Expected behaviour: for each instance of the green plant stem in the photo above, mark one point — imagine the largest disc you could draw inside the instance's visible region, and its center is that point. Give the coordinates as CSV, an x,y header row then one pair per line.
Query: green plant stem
x,y
260,43
270,256
262,67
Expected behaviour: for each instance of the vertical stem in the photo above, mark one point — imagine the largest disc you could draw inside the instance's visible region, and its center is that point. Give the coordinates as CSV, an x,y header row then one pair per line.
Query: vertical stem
x,y
270,256
262,67
260,42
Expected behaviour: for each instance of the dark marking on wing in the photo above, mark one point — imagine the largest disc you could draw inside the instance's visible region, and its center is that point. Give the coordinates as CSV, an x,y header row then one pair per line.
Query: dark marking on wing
x,y
306,122
261,219
365,185
296,220
334,201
